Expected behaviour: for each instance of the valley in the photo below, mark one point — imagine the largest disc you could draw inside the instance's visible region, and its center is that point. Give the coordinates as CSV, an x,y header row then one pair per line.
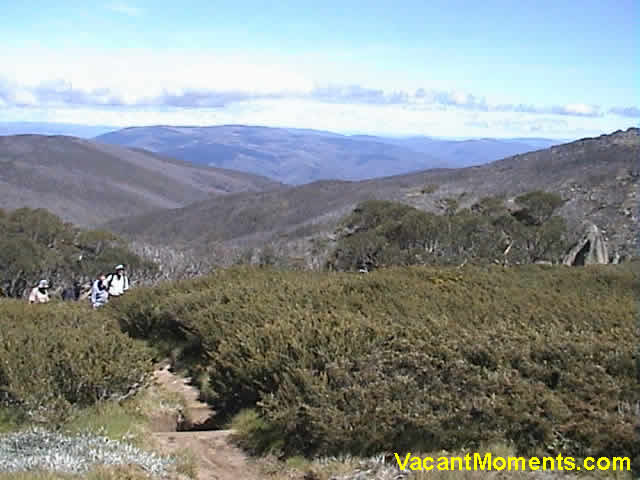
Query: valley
x,y
597,177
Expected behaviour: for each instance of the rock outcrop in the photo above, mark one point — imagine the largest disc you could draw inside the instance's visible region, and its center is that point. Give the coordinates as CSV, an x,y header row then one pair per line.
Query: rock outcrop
x,y
591,249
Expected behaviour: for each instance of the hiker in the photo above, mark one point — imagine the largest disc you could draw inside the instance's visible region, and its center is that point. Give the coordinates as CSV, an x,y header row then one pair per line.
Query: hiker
x,y
40,293
117,283
71,293
99,292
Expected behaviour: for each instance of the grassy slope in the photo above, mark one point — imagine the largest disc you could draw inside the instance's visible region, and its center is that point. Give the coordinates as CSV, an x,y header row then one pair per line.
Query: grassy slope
x,y
88,183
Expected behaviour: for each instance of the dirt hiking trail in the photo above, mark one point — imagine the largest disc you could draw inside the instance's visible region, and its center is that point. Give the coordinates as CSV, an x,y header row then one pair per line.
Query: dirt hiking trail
x,y
217,458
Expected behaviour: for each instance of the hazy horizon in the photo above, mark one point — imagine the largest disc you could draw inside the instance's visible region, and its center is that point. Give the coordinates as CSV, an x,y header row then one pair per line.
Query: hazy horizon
x,y
39,126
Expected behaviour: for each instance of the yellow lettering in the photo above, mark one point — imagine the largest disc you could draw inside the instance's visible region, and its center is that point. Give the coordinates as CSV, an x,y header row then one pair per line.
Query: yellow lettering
x,y
544,463
403,466
569,463
534,464
416,464
499,463
487,462
517,466
477,459
453,463
624,462
588,463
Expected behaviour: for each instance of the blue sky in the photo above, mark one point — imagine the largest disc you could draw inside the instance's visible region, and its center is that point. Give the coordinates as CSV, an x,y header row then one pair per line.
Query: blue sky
x,y
448,68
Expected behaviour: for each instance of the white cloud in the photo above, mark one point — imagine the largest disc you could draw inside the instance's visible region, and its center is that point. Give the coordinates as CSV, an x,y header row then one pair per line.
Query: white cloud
x,y
23,97
143,87
579,109
629,112
139,76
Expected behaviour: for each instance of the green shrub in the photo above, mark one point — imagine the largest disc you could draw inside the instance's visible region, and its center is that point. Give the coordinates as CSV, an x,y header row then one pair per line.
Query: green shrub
x,y
114,420
155,313
11,419
539,206
254,434
414,358
57,356
383,233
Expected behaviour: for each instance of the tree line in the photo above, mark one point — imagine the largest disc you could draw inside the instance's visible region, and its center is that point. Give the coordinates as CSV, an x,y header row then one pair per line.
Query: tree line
x,y
383,233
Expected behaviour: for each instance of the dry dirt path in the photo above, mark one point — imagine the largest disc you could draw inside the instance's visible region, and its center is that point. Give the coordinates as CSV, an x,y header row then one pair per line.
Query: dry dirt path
x,y
217,458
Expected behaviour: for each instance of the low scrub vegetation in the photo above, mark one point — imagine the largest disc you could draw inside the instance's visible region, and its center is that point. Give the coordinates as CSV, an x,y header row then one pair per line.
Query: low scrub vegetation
x,y
409,359
60,357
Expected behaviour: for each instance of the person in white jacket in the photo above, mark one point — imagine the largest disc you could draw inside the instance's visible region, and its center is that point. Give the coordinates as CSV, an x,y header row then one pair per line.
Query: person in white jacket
x,y
117,283
40,294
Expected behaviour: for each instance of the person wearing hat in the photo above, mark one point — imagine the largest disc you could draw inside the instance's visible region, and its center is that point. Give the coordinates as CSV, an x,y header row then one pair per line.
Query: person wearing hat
x,y
117,283
40,293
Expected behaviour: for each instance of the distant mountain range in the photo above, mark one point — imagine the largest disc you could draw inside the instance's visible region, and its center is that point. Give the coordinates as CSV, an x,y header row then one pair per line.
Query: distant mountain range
x,y
89,183
298,156
466,153
43,128
598,177
294,156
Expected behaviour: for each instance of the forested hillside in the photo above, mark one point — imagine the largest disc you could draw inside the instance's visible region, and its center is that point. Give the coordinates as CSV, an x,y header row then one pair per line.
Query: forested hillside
x,y
37,244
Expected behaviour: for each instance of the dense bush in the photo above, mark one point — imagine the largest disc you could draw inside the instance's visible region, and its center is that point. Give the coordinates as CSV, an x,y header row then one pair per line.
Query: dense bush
x,y
58,356
382,233
36,244
413,358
